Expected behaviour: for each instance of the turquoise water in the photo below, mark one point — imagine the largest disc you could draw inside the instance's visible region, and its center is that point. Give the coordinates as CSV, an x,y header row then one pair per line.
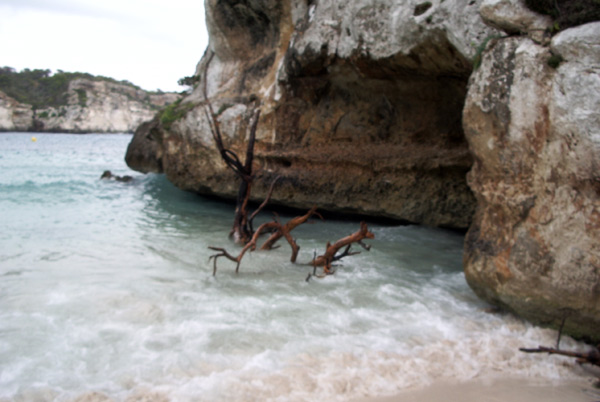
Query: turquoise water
x,y
106,290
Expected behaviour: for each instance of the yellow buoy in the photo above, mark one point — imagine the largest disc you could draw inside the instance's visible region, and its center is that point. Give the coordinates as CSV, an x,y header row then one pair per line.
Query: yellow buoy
x,y
33,139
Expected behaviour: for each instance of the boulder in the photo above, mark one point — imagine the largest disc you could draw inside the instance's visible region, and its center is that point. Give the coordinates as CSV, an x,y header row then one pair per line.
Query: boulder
x,y
513,17
534,133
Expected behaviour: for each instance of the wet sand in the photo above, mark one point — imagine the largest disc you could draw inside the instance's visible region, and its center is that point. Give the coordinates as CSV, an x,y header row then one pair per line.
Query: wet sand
x,y
500,390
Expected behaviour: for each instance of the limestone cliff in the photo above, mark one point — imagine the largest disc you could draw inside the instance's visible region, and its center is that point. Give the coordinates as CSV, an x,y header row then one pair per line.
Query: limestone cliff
x,y
534,132
373,107
91,106
14,116
361,106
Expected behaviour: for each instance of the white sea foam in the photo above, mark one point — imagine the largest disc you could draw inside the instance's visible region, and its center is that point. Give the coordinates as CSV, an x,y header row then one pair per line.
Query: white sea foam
x,y
107,292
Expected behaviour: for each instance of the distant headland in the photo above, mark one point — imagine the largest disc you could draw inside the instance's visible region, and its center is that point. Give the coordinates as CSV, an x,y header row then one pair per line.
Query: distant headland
x,y
39,100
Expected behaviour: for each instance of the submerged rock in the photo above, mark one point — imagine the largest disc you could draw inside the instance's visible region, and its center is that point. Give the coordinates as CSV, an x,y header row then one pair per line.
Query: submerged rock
x,y
107,175
534,132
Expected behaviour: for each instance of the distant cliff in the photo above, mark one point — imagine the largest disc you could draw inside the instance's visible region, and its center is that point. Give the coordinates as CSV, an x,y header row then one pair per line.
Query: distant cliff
x,y
36,100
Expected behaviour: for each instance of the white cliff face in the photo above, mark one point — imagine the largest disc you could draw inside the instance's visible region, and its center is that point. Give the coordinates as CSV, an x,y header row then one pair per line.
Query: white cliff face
x,y
576,91
14,116
92,106
433,37
387,28
512,16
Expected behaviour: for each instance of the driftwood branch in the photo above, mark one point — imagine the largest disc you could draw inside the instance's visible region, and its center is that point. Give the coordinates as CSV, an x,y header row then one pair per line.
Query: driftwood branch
x,y
331,251
241,230
263,204
278,231
344,253
222,253
284,231
250,245
591,357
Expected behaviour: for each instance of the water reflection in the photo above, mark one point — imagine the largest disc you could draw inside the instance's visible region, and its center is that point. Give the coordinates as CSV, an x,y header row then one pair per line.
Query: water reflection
x,y
167,206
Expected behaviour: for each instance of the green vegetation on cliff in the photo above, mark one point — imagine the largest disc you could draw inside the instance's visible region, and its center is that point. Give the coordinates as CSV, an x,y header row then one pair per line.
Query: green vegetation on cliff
x,y
174,112
42,88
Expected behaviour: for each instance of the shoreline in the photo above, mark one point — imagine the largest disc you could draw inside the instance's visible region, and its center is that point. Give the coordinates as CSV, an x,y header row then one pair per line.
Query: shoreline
x,y
498,390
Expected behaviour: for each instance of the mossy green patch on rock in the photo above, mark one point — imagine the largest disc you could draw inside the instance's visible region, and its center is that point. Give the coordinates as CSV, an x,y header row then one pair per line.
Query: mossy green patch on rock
x,y
174,112
82,97
555,60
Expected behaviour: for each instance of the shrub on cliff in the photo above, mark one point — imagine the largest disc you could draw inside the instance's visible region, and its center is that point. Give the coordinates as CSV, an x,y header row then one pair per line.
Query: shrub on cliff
x,y
173,112
190,81
35,87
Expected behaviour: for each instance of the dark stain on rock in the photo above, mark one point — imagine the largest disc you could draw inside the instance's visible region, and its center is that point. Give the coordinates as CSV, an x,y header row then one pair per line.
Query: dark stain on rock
x,y
422,8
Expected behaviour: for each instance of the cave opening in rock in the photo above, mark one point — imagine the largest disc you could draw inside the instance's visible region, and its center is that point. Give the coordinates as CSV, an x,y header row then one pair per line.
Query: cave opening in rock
x,y
395,128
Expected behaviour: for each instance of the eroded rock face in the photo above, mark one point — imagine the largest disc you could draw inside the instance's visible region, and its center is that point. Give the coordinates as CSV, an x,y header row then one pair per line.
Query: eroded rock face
x,y
512,16
14,115
534,132
92,106
362,111
361,106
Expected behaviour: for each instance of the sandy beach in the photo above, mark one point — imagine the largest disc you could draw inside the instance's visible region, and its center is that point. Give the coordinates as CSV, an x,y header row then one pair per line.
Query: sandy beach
x,y
500,390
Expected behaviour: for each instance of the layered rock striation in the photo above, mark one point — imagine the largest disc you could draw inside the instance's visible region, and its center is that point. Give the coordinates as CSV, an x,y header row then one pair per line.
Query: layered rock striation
x,y
361,106
14,116
91,106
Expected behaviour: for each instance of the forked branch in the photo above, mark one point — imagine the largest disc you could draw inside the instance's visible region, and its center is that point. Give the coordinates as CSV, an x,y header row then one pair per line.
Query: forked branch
x,y
284,231
331,252
222,253
263,204
241,230
278,231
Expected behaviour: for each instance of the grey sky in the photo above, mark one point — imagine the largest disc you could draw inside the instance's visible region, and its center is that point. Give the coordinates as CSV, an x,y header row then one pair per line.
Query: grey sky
x,y
151,43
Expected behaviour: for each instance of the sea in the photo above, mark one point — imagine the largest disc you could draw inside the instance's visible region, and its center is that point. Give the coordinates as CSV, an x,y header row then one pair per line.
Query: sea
x,y
107,293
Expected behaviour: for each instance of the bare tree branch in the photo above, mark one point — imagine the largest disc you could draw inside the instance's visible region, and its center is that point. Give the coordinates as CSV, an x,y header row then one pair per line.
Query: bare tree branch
x,y
284,231
326,259
592,357
264,203
222,253
278,230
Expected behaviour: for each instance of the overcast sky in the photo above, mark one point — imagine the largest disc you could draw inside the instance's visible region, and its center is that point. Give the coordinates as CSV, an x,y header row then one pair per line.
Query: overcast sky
x,y
151,43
